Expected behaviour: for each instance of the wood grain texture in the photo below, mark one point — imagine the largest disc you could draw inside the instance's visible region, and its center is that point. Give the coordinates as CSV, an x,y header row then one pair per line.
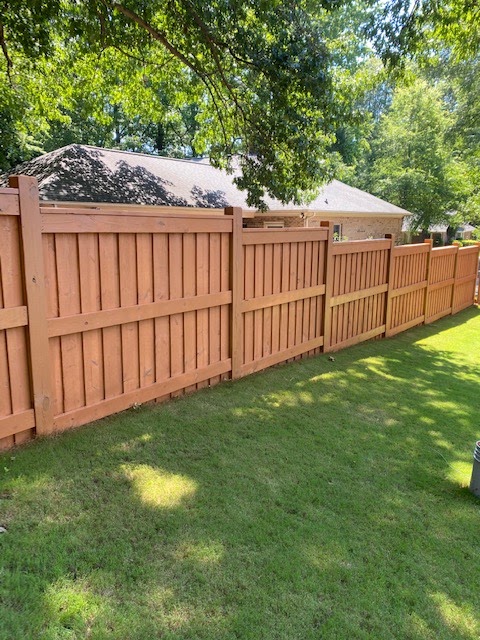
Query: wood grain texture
x,y
33,269
237,284
68,223
127,255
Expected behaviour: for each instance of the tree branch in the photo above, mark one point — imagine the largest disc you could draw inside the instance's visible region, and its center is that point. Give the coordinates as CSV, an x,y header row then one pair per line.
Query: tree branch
x,y
142,60
7,57
215,40
156,35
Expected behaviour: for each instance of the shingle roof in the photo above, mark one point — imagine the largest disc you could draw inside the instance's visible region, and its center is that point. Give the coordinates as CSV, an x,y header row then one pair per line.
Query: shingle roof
x,y
442,227
90,174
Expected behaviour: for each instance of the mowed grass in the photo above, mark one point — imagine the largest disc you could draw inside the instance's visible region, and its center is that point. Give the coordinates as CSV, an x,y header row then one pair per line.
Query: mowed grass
x,y
321,499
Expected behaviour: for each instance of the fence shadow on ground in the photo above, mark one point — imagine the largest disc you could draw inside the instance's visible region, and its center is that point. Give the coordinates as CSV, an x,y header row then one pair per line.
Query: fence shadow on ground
x,y
320,498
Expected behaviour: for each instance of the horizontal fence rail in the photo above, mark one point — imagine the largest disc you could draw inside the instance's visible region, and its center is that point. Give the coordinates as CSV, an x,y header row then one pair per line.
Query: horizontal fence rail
x,y
104,308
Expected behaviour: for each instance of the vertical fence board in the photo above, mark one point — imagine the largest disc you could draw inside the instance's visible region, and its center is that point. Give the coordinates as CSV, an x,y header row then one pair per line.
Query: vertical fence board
x,y
146,328
203,284
161,279
68,283
267,290
285,283
51,288
308,330
215,285
127,253
226,311
110,298
16,380
276,288
299,305
177,360
190,317
6,231
258,275
249,288
89,264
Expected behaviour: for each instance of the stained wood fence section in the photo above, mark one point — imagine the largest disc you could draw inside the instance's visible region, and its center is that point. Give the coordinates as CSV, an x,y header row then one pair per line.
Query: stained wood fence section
x,y
408,287
133,314
102,309
359,291
281,296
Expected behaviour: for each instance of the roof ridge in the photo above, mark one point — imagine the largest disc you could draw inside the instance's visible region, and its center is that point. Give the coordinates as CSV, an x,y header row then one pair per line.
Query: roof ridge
x,y
132,153
372,195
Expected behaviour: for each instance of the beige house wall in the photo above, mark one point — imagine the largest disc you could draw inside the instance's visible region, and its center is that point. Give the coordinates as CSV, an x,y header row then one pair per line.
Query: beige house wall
x,y
358,228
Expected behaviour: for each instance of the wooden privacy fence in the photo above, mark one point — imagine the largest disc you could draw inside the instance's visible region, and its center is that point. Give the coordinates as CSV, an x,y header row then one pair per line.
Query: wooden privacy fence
x,y
105,308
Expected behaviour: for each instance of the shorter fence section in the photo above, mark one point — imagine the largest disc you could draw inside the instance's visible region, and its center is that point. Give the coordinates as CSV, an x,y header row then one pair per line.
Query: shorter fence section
x,y
283,296
103,308
465,278
408,287
359,291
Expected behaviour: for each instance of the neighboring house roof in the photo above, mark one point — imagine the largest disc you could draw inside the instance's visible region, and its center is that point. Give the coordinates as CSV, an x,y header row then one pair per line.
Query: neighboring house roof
x,y
442,228
90,174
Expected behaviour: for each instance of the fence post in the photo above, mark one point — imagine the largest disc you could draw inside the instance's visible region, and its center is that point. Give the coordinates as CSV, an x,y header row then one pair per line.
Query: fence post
x,y
476,296
31,252
455,271
328,275
427,288
237,277
388,305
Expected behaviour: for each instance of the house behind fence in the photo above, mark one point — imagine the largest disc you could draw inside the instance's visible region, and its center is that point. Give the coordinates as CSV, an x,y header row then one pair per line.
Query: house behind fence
x,y
82,173
104,308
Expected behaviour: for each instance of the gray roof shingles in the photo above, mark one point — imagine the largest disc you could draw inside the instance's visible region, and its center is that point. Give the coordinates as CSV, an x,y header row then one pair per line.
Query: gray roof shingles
x,y
90,174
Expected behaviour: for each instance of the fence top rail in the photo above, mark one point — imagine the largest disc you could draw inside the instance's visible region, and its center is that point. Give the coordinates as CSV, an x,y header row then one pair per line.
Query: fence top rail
x,y
274,236
411,249
155,212
65,223
114,206
306,230
8,191
9,204
444,250
146,209
470,249
357,246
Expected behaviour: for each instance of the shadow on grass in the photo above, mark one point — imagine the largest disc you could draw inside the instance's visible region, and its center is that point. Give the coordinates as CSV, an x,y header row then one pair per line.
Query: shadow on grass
x,y
318,499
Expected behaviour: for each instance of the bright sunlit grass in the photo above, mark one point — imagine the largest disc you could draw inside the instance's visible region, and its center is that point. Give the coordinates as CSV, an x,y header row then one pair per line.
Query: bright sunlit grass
x,y
158,488
321,499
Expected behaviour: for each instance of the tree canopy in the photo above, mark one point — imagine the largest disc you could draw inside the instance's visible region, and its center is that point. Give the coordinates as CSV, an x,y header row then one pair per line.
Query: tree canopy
x,y
411,163
261,73
290,93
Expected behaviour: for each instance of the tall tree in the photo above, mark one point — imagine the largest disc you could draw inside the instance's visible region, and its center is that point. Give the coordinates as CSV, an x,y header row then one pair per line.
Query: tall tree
x,y
464,97
412,165
261,73
274,85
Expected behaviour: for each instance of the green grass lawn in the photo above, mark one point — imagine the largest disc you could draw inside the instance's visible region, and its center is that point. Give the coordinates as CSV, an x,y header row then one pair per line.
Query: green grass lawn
x,y
315,500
